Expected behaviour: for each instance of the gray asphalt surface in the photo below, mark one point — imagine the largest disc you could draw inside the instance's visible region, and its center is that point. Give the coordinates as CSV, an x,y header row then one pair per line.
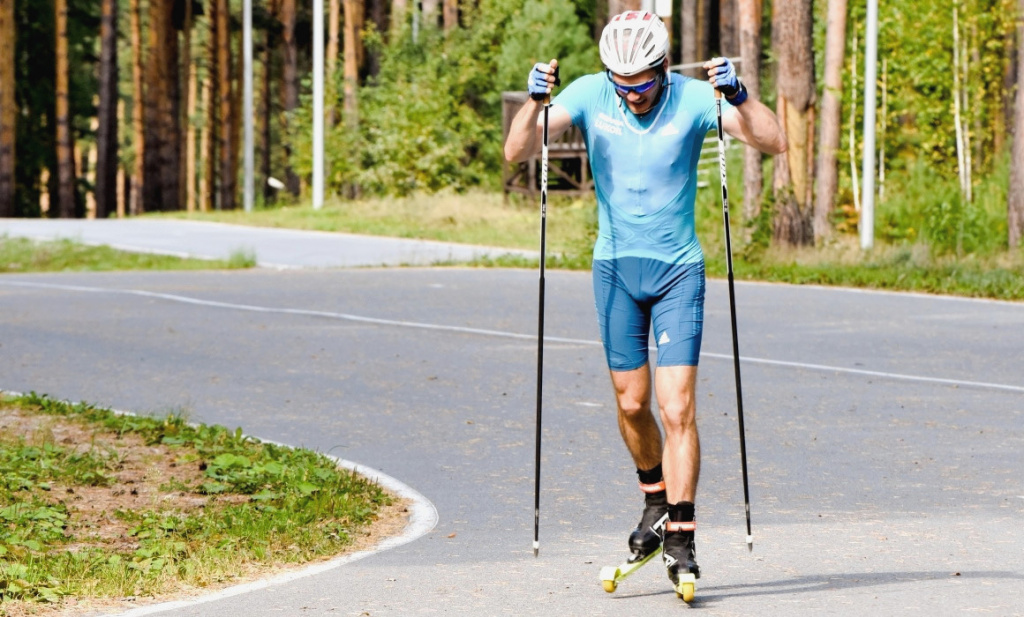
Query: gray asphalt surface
x,y
885,432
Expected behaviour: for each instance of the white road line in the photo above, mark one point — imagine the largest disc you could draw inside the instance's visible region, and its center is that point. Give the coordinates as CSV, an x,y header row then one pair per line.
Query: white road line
x,y
500,333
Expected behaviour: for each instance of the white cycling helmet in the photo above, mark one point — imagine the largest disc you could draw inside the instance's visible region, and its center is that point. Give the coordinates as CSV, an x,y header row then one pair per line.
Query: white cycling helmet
x,y
633,42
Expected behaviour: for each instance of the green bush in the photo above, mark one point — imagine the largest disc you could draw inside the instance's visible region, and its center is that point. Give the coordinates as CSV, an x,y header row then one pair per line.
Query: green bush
x,y
431,119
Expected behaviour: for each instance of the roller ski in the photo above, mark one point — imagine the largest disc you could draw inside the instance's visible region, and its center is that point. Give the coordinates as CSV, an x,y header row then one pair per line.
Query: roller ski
x,y
679,551
645,540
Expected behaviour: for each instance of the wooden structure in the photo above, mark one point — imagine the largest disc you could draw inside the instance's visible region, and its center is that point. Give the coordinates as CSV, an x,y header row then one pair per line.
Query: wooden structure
x,y
568,165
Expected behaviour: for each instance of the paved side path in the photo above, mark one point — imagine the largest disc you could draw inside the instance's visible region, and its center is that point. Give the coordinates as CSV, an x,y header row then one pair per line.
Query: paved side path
x,y
274,248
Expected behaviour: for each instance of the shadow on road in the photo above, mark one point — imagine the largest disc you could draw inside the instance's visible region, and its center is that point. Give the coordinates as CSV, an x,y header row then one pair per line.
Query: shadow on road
x,y
833,582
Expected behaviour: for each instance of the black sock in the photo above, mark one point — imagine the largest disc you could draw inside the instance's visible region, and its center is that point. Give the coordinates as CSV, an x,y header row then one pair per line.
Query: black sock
x,y
682,512
651,476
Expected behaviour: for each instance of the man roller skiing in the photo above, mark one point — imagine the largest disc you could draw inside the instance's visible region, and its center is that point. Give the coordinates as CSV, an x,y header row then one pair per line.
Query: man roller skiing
x,y
644,127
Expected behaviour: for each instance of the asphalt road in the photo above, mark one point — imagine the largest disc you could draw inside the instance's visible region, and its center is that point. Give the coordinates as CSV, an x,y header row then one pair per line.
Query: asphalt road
x,y
885,432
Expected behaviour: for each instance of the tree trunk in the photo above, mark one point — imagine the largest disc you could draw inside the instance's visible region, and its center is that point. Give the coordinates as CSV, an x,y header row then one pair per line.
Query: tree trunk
x,y
430,12
688,38
289,87
207,142
236,115
1015,199
266,107
106,137
8,112
376,13
792,37
750,49
399,9
225,102
728,28
351,74
65,149
451,15
186,177
138,95
831,118
703,30
160,187
331,61
189,166
620,6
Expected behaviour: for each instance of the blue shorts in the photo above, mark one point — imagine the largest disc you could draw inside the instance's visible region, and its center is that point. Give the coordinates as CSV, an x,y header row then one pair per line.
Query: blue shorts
x,y
631,292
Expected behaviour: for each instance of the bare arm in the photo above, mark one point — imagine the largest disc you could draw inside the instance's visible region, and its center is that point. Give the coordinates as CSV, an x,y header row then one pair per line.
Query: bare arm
x,y
755,125
750,121
525,135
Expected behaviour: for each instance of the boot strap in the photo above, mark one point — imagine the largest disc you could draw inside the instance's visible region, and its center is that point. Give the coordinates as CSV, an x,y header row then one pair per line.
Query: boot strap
x,y
675,526
657,487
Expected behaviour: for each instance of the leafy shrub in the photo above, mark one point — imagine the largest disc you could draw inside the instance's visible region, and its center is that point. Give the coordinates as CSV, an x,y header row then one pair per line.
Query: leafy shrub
x,y
431,119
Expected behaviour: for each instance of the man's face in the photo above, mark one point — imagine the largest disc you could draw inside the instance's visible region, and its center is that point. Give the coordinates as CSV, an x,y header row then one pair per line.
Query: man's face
x,y
640,91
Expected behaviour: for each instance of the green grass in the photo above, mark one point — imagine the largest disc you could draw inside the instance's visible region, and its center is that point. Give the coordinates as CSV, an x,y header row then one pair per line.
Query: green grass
x,y
473,218
24,255
926,239
263,505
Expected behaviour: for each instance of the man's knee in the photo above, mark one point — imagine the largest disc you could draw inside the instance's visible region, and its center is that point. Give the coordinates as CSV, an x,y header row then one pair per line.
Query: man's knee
x,y
679,414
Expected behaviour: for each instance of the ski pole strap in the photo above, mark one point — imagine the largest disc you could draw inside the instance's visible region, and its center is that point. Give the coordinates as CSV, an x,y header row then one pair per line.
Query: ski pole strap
x,y
657,487
675,526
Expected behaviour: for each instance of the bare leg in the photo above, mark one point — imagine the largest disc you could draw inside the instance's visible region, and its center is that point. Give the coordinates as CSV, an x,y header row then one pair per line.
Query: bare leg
x,y
676,388
636,422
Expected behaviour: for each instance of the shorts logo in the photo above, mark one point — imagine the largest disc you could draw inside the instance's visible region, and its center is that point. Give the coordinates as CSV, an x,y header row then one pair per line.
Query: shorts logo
x,y
664,338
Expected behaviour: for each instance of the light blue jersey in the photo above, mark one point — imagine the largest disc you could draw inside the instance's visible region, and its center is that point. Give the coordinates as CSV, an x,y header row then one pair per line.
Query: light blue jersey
x,y
644,168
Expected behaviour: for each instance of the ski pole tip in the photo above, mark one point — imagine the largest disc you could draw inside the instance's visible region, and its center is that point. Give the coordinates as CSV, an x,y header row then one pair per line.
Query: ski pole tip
x,y
750,543
536,547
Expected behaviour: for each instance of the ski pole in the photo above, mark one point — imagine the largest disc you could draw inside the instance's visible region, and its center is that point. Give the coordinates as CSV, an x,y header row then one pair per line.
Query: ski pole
x,y
540,320
732,310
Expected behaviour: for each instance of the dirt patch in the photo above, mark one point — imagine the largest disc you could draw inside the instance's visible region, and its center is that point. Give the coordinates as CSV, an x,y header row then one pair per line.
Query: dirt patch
x,y
139,471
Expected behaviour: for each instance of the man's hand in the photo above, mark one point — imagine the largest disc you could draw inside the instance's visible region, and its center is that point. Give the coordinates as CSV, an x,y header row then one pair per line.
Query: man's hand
x,y
542,78
722,74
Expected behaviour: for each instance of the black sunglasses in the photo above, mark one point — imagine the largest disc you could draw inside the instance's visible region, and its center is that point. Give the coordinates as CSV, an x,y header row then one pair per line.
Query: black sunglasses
x,y
638,88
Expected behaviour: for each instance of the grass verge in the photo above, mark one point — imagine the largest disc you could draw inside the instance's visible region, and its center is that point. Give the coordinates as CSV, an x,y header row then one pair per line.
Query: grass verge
x,y
19,255
896,263
98,507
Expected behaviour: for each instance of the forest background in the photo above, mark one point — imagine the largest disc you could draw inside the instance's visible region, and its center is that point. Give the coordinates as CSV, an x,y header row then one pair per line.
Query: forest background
x,y
121,107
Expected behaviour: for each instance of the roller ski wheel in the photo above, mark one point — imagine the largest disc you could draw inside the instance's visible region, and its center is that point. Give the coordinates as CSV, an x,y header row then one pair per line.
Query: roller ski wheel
x,y
645,540
680,558
611,576
686,588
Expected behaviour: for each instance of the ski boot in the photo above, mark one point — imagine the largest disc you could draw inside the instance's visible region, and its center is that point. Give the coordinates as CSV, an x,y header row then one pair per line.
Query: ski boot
x,y
680,550
645,540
